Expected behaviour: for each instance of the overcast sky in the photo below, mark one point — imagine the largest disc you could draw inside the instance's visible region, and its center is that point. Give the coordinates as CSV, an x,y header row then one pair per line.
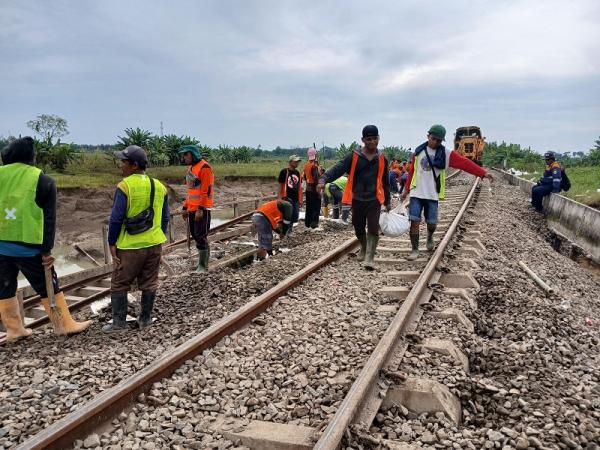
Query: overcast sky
x,y
289,73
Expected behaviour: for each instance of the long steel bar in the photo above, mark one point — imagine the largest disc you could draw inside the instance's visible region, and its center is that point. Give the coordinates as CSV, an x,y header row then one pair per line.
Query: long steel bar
x,y
63,433
332,436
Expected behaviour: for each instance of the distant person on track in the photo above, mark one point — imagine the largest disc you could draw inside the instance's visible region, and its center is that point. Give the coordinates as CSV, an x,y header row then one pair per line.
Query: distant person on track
x,y
368,188
335,191
550,182
137,229
426,183
200,181
313,199
275,215
290,186
27,229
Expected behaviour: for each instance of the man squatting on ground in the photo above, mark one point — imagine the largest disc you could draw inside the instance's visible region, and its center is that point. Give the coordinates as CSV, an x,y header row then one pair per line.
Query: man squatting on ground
x,y
275,215
290,186
427,186
137,229
313,198
200,181
27,229
551,181
368,188
334,191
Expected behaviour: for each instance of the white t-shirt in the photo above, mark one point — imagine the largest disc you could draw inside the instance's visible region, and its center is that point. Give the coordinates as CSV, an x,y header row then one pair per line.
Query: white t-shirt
x,y
425,187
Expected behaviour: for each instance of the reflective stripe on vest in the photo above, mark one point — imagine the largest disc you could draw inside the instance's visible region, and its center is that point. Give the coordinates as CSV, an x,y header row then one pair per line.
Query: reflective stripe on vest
x,y
271,212
21,219
441,173
195,197
380,194
138,199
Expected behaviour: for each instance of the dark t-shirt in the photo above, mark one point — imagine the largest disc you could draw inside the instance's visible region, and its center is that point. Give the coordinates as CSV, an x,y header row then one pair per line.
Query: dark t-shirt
x,y
292,182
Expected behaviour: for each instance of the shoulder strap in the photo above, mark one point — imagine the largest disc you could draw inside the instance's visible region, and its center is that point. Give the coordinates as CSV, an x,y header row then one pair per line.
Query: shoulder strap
x,y
151,192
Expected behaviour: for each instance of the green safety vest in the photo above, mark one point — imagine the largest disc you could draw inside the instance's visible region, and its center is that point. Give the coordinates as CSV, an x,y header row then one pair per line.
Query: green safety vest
x,y
341,182
137,189
21,219
440,172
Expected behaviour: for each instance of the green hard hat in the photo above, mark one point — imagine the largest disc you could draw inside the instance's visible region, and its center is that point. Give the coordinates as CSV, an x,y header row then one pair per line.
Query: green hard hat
x,y
193,149
438,131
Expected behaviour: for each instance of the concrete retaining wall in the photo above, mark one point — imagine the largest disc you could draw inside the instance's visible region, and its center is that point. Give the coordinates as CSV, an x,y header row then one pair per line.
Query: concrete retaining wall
x,y
577,222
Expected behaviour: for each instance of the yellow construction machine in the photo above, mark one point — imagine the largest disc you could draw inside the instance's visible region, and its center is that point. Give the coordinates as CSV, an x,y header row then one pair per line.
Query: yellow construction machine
x,y
469,142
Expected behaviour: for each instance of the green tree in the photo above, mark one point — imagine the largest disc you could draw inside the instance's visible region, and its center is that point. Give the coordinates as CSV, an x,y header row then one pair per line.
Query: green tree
x,y
157,152
48,126
134,136
593,157
55,156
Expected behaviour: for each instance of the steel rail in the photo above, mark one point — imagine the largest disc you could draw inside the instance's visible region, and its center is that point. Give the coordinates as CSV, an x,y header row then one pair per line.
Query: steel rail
x,y
63,433
333,434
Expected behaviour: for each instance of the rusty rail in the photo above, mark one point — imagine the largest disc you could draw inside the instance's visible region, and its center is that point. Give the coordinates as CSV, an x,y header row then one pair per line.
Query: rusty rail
x,y
332,436
63,433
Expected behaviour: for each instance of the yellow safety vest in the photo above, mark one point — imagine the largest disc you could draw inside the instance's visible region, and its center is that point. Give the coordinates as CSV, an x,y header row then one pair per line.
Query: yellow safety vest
x,y
440,172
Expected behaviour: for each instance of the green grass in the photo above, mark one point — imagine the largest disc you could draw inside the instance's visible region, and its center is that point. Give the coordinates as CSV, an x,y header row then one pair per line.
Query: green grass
x,y
99,170
584,184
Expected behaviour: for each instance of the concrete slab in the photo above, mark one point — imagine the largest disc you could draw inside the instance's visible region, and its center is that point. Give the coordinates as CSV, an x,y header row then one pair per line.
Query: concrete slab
x,y
469,252
404,275
422,395
457,315
447,347
387,308
475,243
260,435
403,264
459,280
395,292
462,293
398,445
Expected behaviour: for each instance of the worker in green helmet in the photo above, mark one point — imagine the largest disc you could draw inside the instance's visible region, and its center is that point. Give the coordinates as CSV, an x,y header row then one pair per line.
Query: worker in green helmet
x,y
335,191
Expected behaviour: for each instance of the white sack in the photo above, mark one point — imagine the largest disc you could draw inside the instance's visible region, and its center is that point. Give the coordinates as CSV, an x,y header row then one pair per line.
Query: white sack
x,y
394,223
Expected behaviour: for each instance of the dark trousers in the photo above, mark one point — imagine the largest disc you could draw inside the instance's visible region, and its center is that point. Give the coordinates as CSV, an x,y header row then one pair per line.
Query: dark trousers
x,y
366,214
537,195
337,195
313,209
140,264
295,208
199,230
31,267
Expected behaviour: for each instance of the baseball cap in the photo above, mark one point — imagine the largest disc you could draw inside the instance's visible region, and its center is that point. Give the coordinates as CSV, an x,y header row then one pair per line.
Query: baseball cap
x,y
294,158
312,154
369,131
133,153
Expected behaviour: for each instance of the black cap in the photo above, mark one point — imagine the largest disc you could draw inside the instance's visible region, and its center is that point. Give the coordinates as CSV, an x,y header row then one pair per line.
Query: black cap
x,y
369,131
133,153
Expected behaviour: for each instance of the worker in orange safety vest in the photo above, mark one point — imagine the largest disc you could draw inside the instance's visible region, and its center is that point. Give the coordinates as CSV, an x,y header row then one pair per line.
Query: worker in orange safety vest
x,y
275,215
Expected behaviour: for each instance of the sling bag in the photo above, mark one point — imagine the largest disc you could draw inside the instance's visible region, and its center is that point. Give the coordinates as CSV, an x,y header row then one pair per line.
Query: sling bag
x,y
438,184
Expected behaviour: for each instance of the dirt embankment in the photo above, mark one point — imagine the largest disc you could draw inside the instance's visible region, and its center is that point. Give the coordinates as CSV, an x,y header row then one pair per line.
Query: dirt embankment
x,y
82,211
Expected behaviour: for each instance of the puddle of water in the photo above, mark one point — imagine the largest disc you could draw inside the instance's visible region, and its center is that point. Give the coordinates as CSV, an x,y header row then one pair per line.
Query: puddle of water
x,y
63,265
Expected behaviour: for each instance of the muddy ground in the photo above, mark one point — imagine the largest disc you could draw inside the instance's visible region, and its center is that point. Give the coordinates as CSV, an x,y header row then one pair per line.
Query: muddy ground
x,y
82,212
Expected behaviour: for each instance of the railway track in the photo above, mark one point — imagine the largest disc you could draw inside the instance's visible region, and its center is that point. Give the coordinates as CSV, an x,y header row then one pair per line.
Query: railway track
x,y
84,287
84,421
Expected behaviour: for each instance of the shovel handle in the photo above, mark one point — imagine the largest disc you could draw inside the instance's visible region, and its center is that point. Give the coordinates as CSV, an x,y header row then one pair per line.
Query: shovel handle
x,y
49,286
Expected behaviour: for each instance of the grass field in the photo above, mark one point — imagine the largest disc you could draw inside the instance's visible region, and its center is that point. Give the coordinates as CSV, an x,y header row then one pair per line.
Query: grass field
x,y
99,170
585,182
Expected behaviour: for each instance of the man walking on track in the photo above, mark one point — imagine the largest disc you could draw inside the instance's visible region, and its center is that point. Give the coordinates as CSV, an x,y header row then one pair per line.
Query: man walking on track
x,y
290,186
367,188
27,229
313,199
426,183
275,215
137,230
200,181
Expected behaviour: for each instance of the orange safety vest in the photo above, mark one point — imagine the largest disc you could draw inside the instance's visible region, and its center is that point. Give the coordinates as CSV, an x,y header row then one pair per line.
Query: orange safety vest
x,y
283,187
347,197
271,212
308,172
197,193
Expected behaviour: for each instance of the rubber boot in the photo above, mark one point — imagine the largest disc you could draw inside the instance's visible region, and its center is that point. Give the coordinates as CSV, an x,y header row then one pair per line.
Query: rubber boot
x,y
147,303
430,243
203,256
60,317
326,212
119,313
363,248
414,242
336,211
372,241
10,313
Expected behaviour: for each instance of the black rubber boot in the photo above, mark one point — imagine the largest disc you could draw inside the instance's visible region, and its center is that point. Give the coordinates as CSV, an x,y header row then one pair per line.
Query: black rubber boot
x,y
147,303
414,241
372,241
363,248
119,313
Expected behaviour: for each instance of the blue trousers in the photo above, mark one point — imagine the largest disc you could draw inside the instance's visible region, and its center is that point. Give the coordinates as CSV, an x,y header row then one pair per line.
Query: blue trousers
x,y
537,195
